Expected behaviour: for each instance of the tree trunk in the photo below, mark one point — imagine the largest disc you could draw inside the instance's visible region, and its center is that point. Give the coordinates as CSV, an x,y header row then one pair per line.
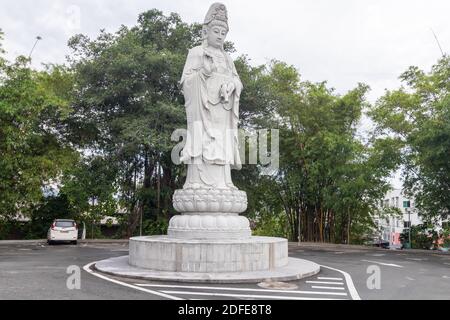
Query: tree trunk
x,y
321,225
134,218
158,188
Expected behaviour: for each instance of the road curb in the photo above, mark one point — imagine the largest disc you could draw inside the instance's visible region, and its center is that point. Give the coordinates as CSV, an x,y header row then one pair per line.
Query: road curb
x,y
349,247
41,241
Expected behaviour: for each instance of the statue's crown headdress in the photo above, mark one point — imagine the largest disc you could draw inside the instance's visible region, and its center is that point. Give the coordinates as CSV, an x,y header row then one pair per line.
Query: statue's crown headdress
x,y
217,12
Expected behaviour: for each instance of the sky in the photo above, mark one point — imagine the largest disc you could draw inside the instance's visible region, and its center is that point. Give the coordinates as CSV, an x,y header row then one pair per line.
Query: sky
x,y
341,41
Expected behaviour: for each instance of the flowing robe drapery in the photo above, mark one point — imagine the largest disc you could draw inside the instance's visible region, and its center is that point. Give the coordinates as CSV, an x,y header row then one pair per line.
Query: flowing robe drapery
x,y
212,144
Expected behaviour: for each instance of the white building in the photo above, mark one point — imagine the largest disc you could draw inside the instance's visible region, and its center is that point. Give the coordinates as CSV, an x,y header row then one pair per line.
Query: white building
x,y
392,226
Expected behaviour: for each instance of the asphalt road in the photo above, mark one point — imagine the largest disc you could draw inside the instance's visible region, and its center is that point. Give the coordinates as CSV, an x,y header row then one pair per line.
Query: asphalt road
x,y
30,271
403,275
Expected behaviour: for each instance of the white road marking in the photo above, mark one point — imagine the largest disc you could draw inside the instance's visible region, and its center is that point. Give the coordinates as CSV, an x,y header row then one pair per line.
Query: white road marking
x,y
239,289
328,278
446,277
378,254
87,269
348,279
244,295
330,288
409,278
384,263
325,282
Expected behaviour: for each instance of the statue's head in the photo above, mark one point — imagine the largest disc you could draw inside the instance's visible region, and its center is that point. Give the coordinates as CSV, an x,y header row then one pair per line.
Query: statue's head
x,y
215,27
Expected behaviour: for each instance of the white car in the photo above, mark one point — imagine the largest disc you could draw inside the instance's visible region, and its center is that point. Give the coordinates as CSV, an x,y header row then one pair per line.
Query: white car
x,y
62,230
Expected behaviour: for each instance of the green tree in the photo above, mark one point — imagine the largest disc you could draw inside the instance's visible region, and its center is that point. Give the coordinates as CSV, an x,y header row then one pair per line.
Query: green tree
x,y
32,152
329,183
423,236
418,116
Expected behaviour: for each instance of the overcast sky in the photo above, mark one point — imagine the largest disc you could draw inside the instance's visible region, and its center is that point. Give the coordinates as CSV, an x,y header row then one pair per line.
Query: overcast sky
x,y
341,41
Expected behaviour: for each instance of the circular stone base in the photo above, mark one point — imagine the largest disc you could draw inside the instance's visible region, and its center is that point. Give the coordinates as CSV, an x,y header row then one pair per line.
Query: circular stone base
x,y
294,270
166,253
209,200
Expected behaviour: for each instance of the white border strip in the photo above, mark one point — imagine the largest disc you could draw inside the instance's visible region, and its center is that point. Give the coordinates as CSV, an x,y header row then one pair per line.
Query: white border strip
x,y
348,279
87,269
326,282
330,288
328,278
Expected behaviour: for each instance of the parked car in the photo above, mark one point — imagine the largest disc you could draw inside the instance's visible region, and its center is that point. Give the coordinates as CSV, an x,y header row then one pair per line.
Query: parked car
x,y
379,243
62,230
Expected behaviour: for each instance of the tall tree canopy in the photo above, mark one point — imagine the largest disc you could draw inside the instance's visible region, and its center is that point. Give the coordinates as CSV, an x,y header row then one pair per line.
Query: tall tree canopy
x,y
418,116
32,152
329,182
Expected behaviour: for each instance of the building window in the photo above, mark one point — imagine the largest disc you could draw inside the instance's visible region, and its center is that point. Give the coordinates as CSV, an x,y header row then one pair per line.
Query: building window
x,y
406,224
406,204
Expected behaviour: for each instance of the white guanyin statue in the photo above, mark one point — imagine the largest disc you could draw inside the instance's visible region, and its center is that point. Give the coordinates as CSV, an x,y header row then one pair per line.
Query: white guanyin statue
x,y
211,88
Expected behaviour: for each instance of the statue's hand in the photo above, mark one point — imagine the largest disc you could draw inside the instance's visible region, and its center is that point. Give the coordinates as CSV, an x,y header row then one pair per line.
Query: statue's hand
x,y
230,88
224,92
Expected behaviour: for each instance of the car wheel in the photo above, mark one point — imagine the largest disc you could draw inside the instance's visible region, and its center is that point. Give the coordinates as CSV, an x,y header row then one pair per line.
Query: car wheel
x,y
74,242
49,242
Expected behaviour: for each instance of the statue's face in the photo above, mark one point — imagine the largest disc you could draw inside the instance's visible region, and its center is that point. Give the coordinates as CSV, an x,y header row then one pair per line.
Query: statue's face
x,y
216,36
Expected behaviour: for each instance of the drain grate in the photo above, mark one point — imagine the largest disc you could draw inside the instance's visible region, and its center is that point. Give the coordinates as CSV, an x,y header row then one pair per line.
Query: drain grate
x,y
277,285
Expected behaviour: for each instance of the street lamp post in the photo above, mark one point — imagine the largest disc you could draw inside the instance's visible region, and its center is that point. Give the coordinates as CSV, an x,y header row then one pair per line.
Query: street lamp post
x,y
409,230
406,206
38,38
